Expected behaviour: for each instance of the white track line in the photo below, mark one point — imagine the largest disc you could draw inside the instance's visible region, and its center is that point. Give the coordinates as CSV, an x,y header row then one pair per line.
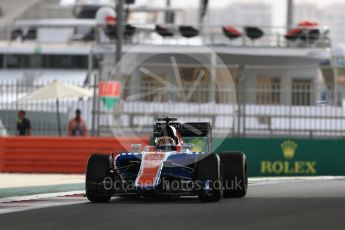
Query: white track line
x,y
279,180
23,203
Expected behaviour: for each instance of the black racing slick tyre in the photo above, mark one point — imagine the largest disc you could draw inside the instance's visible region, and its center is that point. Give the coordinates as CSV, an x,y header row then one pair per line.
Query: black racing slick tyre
x,y
235,178
209,169
98,169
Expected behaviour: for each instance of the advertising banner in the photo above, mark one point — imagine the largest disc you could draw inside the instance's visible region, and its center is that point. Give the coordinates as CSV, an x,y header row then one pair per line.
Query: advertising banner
x,y
289,157
109,92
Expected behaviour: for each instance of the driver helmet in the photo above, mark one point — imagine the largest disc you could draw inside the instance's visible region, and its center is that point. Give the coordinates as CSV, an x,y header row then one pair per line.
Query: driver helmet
x,y
171,131
165,142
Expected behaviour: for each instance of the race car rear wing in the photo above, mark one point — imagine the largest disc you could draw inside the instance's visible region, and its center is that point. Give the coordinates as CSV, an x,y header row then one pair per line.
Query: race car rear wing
x,y
189,129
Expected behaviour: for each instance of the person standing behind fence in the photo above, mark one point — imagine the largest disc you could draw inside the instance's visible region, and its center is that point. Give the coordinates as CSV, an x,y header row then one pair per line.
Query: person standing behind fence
x,y
77,126
23,124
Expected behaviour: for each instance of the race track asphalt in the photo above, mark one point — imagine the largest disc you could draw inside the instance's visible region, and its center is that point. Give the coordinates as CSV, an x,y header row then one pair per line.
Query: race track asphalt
x,y
302,204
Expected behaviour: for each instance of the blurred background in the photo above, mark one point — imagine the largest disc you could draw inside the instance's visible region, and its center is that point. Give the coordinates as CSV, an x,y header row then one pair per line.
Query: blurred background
x,y
273,68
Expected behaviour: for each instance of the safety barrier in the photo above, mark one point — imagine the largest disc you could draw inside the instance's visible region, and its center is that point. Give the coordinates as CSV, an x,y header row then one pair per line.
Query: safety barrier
x,y
266,157
56,154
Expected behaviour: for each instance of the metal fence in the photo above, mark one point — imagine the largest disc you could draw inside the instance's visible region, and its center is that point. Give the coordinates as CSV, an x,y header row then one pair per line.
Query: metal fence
x,y
42,114
307,111
311,113
244,120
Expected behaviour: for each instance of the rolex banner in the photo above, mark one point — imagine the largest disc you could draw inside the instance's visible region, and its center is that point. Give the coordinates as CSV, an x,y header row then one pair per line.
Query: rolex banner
x,y
290,157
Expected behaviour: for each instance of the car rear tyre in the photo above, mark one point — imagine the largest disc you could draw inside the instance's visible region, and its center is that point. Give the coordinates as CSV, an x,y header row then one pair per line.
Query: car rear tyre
x,y
98,169
235,178
209,169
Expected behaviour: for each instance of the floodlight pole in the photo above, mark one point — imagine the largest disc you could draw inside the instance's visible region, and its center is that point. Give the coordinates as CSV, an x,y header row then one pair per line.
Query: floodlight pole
x,y
289,14
169,15
119,29
200,17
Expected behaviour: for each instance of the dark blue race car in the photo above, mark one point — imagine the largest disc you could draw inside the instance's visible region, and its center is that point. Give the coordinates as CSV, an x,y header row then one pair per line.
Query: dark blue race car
x,y
170,168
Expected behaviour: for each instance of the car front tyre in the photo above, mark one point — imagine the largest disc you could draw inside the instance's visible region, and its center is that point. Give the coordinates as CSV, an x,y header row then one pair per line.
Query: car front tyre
x,y
208,168
98,169
235,177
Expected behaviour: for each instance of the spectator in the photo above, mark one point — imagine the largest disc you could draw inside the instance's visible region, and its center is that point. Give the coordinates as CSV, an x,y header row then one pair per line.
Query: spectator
x,y
23,124
77,126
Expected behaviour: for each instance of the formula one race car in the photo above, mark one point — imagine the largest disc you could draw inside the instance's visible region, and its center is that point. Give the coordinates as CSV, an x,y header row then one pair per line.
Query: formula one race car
x,y
169,168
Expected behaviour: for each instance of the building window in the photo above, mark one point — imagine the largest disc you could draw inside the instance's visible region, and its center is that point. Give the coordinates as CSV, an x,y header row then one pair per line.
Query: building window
x,y
13,61
64,61
150,89
153,90
301,92
268,90
1,61
197,89
51,61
